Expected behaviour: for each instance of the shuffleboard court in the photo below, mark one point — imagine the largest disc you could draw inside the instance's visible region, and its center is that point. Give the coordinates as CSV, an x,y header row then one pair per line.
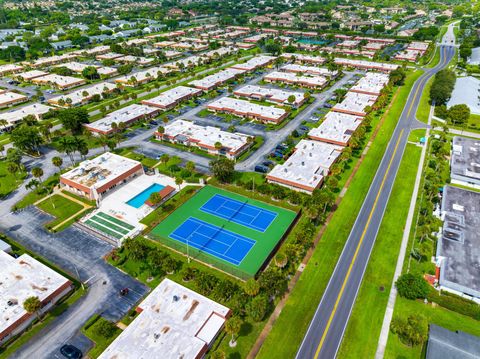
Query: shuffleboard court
x,y
214,240
239,212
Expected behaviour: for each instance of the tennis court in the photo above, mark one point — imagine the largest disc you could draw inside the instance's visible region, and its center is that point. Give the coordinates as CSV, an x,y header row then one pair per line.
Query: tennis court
x,y
215,240
239,212
234,233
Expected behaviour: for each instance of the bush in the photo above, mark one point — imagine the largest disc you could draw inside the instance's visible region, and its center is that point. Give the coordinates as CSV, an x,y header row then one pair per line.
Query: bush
x,y
412,286
104,328
412,331
257,308
455,303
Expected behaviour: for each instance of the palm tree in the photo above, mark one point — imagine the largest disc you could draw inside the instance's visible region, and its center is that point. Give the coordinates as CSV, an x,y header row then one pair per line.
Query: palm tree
x,y
4,124
103,140
218,147
57,162
33,183
178,182
281,260
37,172
232,327
67,145
13,168
251,287
32,305
161,130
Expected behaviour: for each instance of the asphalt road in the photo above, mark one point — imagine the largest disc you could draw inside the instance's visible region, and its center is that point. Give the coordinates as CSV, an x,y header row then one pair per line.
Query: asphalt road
x,y
325,333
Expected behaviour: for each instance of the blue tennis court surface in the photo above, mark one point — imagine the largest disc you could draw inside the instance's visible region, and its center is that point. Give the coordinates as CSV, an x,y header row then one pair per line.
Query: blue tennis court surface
x,y
214,240
239,212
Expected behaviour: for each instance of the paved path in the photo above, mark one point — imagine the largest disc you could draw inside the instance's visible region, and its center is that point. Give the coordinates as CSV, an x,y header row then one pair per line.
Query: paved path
x,y
460,132
327,327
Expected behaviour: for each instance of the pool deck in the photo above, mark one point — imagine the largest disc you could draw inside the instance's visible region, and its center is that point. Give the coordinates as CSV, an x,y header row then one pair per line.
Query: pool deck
x,y
115,204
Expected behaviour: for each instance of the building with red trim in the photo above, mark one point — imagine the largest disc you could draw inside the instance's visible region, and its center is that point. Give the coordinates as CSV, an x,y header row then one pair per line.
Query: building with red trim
x,y
242,108
337,128
21,278
205,137
93,178
306,169
173,322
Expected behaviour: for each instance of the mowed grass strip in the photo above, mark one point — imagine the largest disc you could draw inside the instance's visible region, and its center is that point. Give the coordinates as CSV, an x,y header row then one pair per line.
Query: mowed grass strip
x,y
361,336
290,327
60,207
265,242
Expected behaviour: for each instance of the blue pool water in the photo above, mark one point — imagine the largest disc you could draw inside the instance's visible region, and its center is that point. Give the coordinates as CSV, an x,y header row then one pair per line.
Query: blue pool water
x,y
139,200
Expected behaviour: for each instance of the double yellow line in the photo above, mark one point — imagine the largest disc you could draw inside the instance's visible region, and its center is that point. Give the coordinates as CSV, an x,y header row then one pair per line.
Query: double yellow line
x,y
342,289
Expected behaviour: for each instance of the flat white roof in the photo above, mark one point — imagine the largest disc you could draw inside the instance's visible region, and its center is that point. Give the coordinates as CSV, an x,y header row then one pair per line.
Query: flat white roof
x,y
9,97
98,171
217,78
337,127
19,114
80,95
363,64
408,54
371,83
189,61
141,76
29,75
175,322
97,49
21,278
268,93
60,81
304,58
316,81
355,103
308,165
312,70
172,96
254,63
124,114
418,45
53,59
206,135
79,67
247,108
9,68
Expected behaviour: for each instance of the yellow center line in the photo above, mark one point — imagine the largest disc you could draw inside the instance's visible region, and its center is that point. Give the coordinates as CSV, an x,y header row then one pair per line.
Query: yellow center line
x,y
340,294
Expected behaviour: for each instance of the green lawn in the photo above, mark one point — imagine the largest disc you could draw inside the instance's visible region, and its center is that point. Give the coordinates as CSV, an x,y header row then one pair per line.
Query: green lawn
x,y
60,207
101,342
265,241
416,135
8,181
37,194
423,110
364,326
436,315
286,336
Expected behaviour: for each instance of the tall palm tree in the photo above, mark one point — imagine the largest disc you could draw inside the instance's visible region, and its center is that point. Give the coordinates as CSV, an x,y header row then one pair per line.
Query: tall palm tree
x,y
57,162
37,172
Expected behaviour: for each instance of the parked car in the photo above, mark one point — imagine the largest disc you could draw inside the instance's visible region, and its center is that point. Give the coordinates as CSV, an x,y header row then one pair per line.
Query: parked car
x,y
268,163
71,352
327,105
276,154
261,169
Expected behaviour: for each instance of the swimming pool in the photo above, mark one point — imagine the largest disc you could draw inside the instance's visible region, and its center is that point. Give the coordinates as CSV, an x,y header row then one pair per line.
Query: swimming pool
x,y
139,200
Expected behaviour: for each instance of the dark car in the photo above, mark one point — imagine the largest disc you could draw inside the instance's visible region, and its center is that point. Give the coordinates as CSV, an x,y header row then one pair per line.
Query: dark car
x,y
71,352
153,122
261,169
277,154
268,163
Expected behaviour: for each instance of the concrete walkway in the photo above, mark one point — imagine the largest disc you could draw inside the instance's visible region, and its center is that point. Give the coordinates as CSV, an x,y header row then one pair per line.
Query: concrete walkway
x,y
382,341
460,132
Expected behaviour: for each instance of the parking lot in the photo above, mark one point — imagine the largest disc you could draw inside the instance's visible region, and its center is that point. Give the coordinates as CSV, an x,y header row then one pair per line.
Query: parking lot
x,y
81,255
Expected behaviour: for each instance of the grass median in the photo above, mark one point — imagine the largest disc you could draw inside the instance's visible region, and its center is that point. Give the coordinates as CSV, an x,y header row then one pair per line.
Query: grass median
x,y
365,322
286,336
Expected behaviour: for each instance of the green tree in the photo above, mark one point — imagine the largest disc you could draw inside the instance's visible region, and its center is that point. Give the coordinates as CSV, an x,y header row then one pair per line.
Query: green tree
x,y
459,114
32,305
155,198
251,287
412,331
37,172
223,169
412,286
257,308
232,327
26,138
105,328
90,73
57,162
